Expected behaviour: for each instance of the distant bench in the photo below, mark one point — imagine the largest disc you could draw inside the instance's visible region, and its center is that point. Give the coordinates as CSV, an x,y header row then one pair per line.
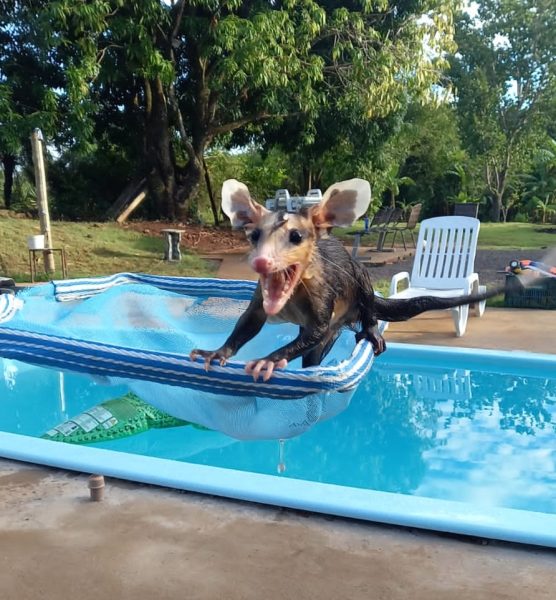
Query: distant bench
x,y
173,241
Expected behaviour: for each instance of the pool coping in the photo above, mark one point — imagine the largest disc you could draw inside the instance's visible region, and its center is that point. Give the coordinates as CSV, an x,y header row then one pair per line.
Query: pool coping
x,y
506,524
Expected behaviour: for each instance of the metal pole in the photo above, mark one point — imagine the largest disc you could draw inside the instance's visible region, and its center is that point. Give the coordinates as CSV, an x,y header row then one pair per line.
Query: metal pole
x,y
42,198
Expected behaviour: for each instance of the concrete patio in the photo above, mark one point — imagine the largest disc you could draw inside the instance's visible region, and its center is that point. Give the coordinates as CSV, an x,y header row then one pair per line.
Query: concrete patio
x,y
143,542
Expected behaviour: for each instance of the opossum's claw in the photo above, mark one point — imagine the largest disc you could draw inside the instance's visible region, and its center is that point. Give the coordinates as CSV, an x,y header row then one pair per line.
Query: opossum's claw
x,y
373,336
209,356
379,345
255,367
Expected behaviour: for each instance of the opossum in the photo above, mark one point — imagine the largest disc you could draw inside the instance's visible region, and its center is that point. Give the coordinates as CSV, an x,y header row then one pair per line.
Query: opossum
x,y
307,277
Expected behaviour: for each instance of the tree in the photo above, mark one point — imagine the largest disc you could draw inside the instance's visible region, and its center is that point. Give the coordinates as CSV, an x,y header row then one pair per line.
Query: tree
x,y
198,71
352,132
429,146
505,77
394,181
540,182
27,83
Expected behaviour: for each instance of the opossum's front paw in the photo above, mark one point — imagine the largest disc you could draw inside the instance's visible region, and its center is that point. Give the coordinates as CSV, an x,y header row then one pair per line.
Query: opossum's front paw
x,y
373,336
209,355
265,366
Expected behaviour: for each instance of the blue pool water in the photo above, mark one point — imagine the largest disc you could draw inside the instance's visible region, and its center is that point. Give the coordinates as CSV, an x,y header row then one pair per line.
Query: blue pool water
x,y
476,430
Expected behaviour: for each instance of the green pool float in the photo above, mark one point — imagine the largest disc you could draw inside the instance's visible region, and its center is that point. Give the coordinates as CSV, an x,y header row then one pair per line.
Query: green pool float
x,y
112,420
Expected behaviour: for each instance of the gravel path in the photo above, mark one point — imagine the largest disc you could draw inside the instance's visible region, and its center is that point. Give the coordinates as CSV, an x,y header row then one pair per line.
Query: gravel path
x,y
487,264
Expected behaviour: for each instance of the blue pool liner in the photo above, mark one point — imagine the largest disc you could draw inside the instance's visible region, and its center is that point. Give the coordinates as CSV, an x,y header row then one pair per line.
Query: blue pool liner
x,y
505,524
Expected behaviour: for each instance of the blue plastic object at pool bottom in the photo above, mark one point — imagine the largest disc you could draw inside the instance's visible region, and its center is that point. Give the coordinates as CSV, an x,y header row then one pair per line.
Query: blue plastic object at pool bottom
x,y
143,327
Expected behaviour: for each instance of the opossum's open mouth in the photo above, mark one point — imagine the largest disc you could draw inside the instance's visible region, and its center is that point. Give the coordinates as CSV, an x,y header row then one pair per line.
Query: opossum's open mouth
x,y
277,288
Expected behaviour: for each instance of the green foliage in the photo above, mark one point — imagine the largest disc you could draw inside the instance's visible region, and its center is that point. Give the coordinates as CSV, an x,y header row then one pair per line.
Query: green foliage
x,y
262,173
544,209
24,196
323,90
427,147
540,182
197,71
521,218
394,181
265,173
37,78
505,80
95,180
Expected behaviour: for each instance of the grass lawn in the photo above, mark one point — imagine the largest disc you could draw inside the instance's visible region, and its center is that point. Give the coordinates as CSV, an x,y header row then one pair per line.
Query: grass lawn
x,y
500,236
92,249
517,235
105,248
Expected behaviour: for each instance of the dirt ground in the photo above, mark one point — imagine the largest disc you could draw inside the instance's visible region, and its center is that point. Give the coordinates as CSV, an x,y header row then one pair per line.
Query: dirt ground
x,y
202,239
145,543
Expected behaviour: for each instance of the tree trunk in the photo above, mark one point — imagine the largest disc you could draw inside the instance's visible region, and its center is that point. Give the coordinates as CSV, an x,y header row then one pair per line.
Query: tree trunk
x,y
496,206
213,204
8,162
496,182
160,156
188,188
307,174
312,178
175,188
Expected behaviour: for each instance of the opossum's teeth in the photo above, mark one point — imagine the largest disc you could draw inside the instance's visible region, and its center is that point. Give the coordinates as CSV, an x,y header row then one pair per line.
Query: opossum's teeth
x,y
277,288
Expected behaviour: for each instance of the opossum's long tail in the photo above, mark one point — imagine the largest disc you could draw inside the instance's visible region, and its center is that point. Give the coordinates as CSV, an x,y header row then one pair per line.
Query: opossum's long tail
x,y
402,309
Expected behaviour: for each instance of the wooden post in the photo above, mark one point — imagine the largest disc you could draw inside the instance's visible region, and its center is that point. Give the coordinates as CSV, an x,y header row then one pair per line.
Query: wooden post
x,y
132,206
42,198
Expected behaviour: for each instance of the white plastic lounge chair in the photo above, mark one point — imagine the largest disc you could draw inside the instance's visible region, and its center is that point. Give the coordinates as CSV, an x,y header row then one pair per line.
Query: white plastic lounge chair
x,y
444,264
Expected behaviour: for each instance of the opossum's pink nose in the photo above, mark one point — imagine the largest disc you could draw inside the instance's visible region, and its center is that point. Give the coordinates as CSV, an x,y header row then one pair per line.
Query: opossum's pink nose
x,y
262,264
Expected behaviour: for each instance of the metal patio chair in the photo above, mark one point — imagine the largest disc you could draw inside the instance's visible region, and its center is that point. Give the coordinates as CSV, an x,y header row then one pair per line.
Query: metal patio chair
x,y
379,222
407,227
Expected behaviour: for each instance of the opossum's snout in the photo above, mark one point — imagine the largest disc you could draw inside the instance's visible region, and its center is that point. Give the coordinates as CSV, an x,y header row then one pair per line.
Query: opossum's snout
x,y
262,265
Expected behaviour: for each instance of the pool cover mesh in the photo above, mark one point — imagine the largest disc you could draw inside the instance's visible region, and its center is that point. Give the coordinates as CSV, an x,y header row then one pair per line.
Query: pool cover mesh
x,y
143,327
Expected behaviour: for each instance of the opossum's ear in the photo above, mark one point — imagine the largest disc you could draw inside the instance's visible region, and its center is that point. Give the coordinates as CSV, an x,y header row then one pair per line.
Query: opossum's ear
x,y
238,205
342,204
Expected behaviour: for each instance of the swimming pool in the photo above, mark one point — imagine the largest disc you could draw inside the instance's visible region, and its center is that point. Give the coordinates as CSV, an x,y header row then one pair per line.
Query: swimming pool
x,y
450,440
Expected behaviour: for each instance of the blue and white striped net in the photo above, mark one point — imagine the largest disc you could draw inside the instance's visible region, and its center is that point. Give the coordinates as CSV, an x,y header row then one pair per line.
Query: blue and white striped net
x,y
142,328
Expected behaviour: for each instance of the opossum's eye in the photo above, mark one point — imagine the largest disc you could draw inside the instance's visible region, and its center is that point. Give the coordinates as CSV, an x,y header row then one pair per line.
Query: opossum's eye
x,y
295,237
255,235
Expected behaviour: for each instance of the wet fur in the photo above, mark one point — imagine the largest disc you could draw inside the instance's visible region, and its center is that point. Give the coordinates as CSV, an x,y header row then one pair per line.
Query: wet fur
x,y
338,294
332,291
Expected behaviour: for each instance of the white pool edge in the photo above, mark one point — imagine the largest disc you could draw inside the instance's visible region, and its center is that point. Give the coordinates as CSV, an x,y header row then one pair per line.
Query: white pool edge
x,y
383,507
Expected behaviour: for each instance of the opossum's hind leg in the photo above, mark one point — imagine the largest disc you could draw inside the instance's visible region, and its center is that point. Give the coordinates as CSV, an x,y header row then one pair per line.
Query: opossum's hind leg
x,y
369,326
316,355
373,335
